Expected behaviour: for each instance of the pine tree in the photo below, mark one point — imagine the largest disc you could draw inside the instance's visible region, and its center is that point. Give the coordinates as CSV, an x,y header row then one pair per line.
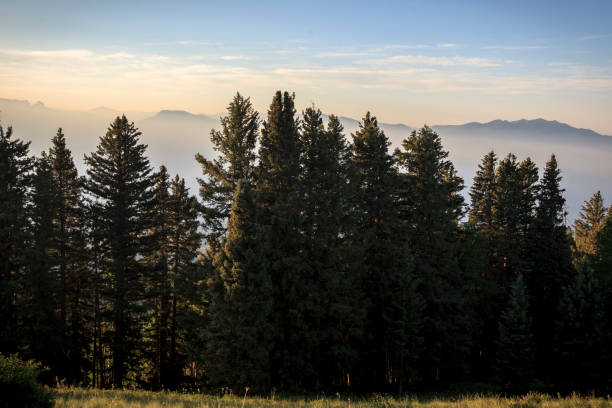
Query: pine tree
x,y
513,208
97,248
482,195
70,252
404,318
481,235
277,195
602,265
581,333
603,253
41,290
528,174
332,319
236,161
515,348
159,284
15,179
120,180
431,208
588,223
241,302
186,280
550,260
384,256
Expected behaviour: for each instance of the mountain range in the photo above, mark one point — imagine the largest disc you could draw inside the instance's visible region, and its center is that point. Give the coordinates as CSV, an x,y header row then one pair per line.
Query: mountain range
x,y
174,136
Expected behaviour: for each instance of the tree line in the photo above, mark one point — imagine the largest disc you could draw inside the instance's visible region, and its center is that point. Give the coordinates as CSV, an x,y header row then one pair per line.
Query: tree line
x,y
311,261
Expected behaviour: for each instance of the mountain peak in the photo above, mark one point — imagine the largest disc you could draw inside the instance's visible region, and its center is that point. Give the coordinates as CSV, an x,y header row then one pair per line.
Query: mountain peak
x,y
176,114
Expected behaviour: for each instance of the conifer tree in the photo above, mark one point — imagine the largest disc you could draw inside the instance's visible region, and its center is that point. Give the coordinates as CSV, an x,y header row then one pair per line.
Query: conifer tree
x,y
186,279
483,233
482,195
70,252
15,179
432,205
404,318
515,349
602,265
331,310
384,255
97,248
550,260
586,226
513,211
121,180
528,174
581,333
603,253
235,143
507,211
41,290
241,302
277,195
159,284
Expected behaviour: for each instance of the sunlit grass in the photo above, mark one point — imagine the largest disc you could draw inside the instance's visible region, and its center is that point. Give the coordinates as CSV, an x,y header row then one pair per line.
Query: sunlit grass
x,y
84,398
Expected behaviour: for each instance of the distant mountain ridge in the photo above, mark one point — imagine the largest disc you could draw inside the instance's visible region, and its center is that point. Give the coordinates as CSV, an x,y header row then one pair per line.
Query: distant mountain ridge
x,y
539,125
178,114
175,136
524,125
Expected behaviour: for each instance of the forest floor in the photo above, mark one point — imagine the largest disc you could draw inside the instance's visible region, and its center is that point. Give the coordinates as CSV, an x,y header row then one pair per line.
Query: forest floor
x,y
84,398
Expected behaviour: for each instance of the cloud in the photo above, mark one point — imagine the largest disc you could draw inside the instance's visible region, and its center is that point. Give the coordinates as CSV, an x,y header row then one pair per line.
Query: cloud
x,y
180,42
408,47
514,47
434,61
75,53
140,81
447,45
593,37
235,57
343,54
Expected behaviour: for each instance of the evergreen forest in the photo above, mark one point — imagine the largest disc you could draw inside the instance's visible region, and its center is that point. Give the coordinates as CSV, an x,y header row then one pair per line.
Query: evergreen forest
x,y
309,260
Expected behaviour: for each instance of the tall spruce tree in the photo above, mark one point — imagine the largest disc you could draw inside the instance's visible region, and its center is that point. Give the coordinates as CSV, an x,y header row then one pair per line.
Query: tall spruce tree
x,y
71,253
431,208
241,302
385,259
513,211
603,253
41,290
121,180
550,261
482,195
277,196
97,248
235,143
184,240
528,173
483,233
586,226
333,320
581,341
158,282
602,265
515,349
15,180
507,213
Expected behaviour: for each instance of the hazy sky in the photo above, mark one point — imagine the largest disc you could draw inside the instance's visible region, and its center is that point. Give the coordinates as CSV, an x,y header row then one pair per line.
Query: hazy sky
x,y
414,62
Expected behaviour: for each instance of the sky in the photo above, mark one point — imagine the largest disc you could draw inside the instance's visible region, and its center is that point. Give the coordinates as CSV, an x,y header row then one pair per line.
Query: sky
x,y
412,62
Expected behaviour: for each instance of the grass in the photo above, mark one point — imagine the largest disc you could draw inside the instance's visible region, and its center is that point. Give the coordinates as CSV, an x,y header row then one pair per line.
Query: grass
x,y
84,398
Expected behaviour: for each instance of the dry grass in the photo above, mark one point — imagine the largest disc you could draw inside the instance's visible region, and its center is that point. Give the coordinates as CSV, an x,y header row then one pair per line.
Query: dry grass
x,y
84,398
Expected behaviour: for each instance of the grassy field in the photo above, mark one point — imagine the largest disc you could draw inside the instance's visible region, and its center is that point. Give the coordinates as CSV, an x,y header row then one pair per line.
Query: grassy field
x,y
83,398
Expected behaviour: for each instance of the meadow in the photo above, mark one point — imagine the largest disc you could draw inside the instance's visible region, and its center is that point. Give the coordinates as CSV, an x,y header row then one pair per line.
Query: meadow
x,y
84,398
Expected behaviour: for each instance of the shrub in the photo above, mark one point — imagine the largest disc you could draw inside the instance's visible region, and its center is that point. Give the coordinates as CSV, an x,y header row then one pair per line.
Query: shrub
x,y
19,386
